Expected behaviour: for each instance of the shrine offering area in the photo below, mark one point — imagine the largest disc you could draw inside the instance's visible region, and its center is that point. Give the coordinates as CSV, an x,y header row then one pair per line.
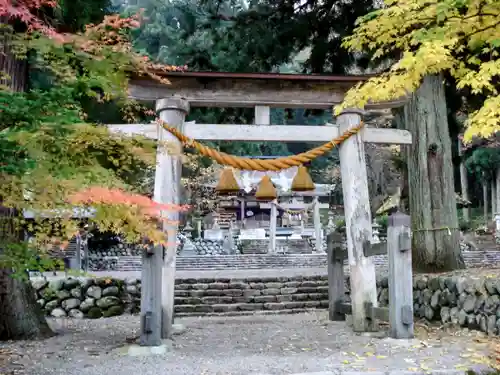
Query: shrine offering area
x,y
469,301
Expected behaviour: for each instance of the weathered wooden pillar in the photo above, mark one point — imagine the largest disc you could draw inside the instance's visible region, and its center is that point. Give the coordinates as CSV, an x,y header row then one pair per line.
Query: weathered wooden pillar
x,y
317,225
151,313
336,278
400,276
497,189
464,183
78,253
485,200
167,190
493,198
358,222
272,227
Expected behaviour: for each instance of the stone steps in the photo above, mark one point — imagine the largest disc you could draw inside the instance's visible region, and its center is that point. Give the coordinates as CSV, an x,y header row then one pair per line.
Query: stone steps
x,y
257,313
276,261
254,261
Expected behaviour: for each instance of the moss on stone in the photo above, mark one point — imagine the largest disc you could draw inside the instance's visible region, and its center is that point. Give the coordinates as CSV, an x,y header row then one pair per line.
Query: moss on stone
x,y
94,313
113,311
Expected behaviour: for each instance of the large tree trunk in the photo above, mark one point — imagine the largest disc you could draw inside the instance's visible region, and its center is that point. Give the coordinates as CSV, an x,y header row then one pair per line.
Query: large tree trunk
x,y
20,315
431,187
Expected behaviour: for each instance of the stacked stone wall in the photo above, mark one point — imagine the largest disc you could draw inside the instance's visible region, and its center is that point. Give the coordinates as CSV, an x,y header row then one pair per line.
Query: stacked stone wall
x,y
472,302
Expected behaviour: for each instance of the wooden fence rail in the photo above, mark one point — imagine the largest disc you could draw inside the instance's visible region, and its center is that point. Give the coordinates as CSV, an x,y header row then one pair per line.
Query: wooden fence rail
x,y
399,313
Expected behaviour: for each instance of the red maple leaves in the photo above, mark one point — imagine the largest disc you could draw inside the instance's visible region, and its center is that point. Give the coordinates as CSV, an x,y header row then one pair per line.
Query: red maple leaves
x,y
102,195
25,11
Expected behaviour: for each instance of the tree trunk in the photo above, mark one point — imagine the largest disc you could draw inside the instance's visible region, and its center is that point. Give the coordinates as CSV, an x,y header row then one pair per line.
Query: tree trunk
x,y
20,315
431,187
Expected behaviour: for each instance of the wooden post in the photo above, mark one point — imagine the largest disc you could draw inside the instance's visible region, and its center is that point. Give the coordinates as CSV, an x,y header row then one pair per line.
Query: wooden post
x,y
497,189
317,225
485,200
151,315
78,253
336,278
167,190
400,277
493,198
272,227
262,115
358,222
464,183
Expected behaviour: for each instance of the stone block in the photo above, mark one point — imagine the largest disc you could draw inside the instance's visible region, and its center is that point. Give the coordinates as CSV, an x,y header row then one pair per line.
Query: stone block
x,y
307,289
232,292
311,304
183,286
309,284
257,286
264,298
274,306
242,299
225,307
238,285
197,293
300,297
218,285
293,305
216,300
187,301
270,291
288,290
317,296
250,306
214,292
184,308
251,292
199,286
274,285
284,298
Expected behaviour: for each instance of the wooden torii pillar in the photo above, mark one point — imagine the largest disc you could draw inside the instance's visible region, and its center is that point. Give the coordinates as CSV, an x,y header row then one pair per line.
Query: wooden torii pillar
x,y
262,92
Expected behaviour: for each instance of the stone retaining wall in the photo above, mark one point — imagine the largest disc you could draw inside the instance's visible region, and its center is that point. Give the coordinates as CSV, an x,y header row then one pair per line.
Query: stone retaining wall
x,y
472,302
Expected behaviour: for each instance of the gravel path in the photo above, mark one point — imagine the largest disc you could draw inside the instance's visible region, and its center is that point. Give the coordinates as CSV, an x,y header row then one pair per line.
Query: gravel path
x,y
276,345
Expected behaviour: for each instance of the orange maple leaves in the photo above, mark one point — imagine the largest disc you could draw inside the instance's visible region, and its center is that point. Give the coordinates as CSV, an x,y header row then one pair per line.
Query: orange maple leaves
x,y
146,206
24,11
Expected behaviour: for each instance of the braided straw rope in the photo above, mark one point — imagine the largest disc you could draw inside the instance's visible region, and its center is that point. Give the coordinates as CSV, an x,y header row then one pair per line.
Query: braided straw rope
x,y
262,165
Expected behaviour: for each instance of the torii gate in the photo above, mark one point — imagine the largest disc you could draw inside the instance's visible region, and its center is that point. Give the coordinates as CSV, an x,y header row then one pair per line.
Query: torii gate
x,y
262,92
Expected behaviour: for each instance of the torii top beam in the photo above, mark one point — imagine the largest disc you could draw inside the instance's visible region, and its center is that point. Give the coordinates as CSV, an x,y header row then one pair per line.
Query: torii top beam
x,y
218,89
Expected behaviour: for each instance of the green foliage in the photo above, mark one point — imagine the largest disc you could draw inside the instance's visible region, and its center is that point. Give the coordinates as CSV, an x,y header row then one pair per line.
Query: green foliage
x,y
464,225
383,221
73,15
237,36
22,256
483,162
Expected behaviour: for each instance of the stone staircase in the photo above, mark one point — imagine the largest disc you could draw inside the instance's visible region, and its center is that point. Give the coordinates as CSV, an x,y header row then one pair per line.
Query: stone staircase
x,y
275,261
221,262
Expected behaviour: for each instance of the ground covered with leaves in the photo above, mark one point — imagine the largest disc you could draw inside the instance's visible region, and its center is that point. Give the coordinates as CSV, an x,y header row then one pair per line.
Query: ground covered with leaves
x,y
270,344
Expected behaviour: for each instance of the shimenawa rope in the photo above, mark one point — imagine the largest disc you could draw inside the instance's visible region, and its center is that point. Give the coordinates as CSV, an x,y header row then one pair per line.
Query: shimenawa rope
x,y
262,165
